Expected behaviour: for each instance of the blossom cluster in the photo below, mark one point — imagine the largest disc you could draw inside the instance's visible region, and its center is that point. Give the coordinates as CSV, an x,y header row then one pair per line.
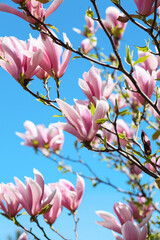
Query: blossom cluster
x,y
38,198
40,137
127,227
40,57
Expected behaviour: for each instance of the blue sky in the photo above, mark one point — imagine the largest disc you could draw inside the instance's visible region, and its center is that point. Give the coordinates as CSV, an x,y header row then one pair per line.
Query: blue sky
x,y
16,106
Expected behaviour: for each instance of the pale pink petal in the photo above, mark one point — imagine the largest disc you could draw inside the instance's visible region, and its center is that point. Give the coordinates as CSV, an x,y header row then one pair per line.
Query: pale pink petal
x,y
6,8
39,178
144,232
71,115
54,5
123,212
146,219
109,222
68,128
130,231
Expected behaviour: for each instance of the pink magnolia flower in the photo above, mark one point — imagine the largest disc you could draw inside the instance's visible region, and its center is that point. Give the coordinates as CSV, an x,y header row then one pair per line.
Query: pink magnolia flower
x,y
122,127
131,231
89,28
56,204
151,63
80,121
93,87
153,112
88,44
52,54
9,202
141,208
125,216
154,165
134,169
41,74
41,137
120,100
23,236
71,197
146,7
146,82
20,59
111,22
35,8
31,195
108,134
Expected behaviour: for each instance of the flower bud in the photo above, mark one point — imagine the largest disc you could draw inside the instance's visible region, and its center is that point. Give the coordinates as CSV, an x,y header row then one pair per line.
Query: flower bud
x,y
146,143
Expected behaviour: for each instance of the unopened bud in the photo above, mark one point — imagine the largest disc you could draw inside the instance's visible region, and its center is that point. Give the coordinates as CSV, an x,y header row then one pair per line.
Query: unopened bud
x,y
146,143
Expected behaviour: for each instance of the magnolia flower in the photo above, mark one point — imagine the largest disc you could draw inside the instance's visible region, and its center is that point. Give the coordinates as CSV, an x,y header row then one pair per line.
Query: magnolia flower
x,y
131,231
71,197
23,236
52,54
80,121
56,206
35,8
141,208
20,58
154,166
89,28
134,169
122,128
9,202
146,7
151,63
108,134
31,195
41,137
93,87
120,100
146,82
126,225
111,22
42,74
88,44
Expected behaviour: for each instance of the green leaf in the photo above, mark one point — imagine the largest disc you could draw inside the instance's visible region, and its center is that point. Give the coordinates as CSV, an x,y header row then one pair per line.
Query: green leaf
x,y
121,135
129,56
58,115
141,59
45,209
92,108
156,135
53,27
76,57
89,13
124,112
137,153
101,121
143,49
60,168
150,21
135,16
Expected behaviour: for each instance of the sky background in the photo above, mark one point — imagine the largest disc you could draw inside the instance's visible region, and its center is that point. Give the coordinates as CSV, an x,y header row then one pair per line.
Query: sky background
x,y
17,106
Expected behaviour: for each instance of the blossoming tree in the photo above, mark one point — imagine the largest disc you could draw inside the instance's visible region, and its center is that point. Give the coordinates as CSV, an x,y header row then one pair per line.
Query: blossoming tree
x,y
118,120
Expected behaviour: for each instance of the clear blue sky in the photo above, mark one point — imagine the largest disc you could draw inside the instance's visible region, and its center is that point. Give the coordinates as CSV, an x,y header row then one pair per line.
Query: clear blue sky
x,y
16,106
